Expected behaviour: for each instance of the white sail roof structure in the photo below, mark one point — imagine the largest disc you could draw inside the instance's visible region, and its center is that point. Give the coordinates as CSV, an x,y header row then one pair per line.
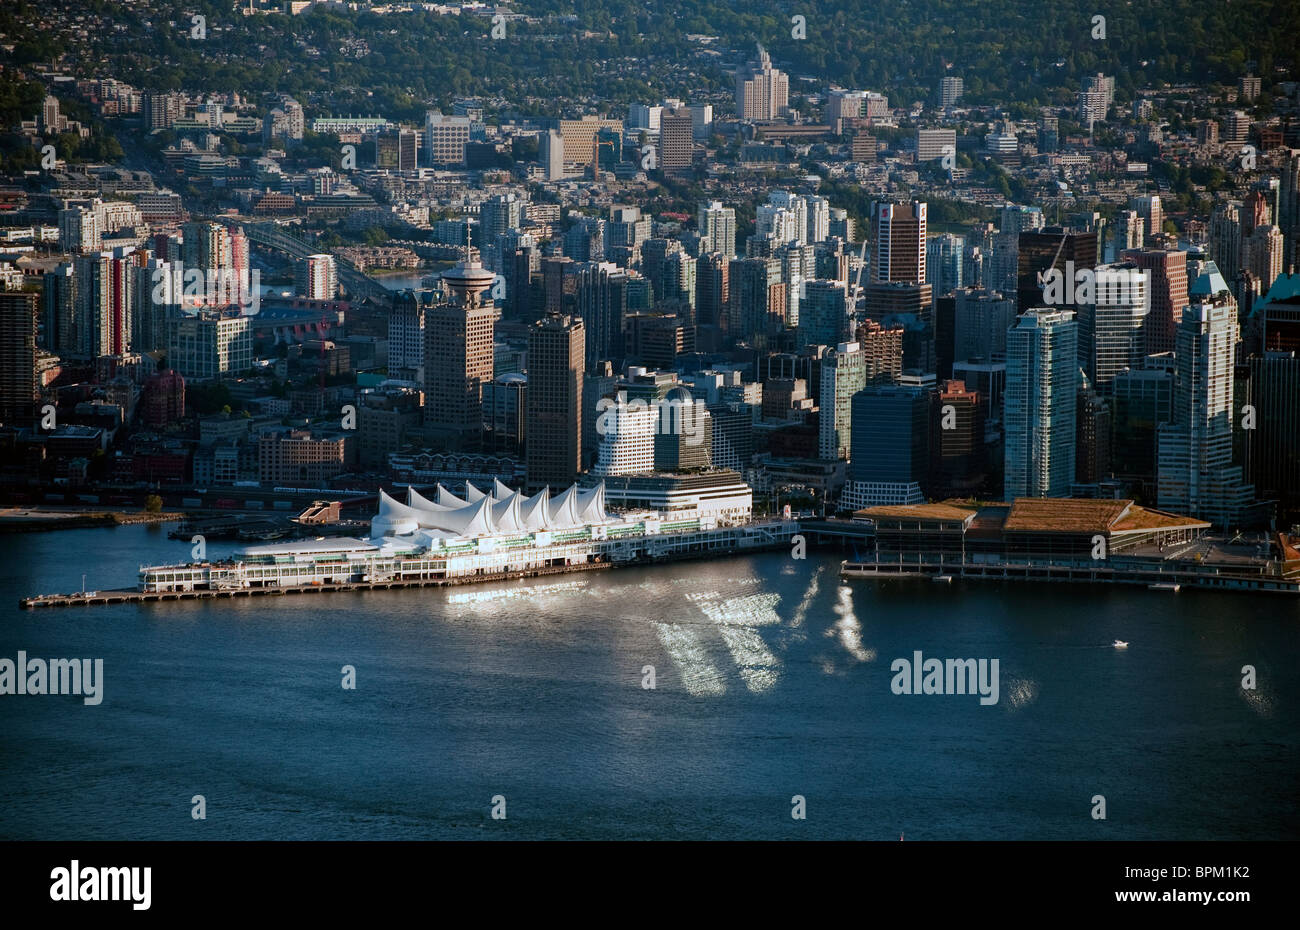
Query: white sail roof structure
x,y
564,510
447,499
534,510
472,493
503,512
499,490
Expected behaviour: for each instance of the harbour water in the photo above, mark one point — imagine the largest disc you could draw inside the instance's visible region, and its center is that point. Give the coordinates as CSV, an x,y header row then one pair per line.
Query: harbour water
x,y
772,679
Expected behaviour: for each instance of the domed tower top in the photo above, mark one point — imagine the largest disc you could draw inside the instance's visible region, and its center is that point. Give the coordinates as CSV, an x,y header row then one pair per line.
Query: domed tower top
x,y
466,281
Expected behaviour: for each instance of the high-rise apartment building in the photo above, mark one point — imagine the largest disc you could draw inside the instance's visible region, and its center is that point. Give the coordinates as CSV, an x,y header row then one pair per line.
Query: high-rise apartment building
x,y
1039,404
762,92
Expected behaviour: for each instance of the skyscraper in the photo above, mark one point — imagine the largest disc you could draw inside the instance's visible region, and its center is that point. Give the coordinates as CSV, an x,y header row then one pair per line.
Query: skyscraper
x,y
556,359
843,374
1118,322
1039,404
19,385
762,92
943,263
1167,285
458,335
718,224
890,447
676,141
898,230
317,278
1194,452
823,313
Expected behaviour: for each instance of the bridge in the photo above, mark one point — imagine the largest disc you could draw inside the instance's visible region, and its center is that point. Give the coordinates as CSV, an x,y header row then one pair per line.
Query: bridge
x,y
273,236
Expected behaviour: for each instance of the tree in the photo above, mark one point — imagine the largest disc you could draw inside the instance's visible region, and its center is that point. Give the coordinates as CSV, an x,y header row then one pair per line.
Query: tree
x,y
153,504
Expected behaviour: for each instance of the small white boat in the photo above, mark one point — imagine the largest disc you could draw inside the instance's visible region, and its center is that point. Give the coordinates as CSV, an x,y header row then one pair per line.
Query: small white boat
x,y
1120,644
942,579
1164,586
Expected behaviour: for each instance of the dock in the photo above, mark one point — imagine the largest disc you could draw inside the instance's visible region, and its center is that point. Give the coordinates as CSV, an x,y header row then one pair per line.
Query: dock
x,y
129,596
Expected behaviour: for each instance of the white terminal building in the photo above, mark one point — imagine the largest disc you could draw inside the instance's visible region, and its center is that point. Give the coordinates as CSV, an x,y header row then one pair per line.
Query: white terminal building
x,y
484,535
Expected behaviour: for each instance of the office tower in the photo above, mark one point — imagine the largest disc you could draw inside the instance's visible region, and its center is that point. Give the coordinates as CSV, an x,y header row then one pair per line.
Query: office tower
x,y
1225,238
882,351
206,246
844,107
890,456
1150,209
579,139
762,91
104,287
1194,451
158,293
80,229
684,439
406,337
676,141
733,436
1052,253
627,226
712,292
757,301
445,138
910,306
1288,210
498,215
1049,134
585,240
1236,127
717,224
609,148
1130,231
679,282
1039,404
1261,254
1274,444
862,147
1117,322
520,265
19,381
396,149
625,436
1167,285
317,278
701,120
1003,145
1142,399
950,91
943,263
210,344
898,231
843,374
643,116
551,155
823,314
981,321
817,219
1092,456
932,144
600,300
63,332
1254,212
957,460
556,359
458,334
